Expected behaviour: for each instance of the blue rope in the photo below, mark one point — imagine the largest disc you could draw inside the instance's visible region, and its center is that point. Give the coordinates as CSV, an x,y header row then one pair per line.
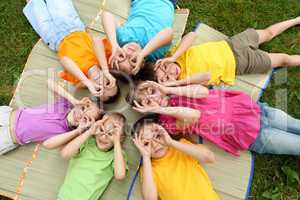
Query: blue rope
x,y
134,180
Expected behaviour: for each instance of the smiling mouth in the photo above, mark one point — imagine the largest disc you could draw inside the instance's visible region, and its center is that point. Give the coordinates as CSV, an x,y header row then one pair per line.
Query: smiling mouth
x,y
158,150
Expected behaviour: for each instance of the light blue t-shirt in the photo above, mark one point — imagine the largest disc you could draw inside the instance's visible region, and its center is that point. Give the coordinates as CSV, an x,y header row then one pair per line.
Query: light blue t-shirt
x,y
146,19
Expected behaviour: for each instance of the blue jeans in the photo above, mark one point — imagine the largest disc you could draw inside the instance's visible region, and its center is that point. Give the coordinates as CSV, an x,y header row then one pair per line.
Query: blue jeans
x,y
279,133
53,20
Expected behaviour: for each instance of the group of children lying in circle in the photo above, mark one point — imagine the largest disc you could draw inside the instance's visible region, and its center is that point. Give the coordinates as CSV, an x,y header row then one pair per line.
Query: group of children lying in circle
x,y
174,88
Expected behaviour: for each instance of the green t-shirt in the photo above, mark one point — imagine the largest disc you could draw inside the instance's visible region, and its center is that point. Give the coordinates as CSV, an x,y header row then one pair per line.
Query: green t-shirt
x,y
89,173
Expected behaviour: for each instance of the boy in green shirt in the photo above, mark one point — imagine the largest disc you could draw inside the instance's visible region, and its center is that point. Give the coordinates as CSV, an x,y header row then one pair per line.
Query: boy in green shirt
x,y
96,157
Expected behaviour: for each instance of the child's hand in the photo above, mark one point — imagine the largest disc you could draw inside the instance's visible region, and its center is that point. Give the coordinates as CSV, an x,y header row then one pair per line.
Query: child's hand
x,y
115,133
162,135
152,84
144,109
144,147
137,60
118,55
94,88
95,128
83,101
164,61
111,80
85,123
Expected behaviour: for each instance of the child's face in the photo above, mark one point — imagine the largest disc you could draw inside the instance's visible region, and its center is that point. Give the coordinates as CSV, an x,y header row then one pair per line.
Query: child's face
x,y
167,72
89,109
127,64
151,97
107,126
109,92
152,133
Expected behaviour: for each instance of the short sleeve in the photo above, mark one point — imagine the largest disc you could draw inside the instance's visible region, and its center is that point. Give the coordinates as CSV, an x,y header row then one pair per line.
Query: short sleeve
x,y
122,35
82,148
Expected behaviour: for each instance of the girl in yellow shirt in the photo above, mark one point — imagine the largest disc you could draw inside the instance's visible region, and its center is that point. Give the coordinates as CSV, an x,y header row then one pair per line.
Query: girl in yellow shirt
x,y
221,60
171,169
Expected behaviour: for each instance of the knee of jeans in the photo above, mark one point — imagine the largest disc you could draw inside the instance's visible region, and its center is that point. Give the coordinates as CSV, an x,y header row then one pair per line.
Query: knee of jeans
x,y
261,142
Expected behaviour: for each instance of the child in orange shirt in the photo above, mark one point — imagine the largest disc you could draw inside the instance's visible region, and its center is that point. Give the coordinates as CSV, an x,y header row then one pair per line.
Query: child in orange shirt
x,y
83,57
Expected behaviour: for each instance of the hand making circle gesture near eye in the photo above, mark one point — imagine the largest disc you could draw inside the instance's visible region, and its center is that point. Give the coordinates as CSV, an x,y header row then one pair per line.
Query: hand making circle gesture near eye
x,y
111,81
118,55
144,109
94,88
137,61
85,123
152,85
115,133
164,61
162,136
143,146
83,101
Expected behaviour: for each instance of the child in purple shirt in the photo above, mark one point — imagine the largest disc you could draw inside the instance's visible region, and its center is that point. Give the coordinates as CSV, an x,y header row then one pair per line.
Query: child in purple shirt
x,y
68,117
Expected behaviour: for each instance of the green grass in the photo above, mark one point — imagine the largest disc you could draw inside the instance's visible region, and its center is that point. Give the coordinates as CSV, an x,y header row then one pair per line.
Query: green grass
x,y
228,16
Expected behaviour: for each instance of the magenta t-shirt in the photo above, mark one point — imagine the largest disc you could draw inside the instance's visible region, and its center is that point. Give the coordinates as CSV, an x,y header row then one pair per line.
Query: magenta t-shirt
x,y
229,119
40,123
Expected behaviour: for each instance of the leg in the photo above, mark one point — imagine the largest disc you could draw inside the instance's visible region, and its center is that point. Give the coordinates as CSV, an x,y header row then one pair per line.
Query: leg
x,y
65,16
282,60
37,14
269,33
281,120
275,141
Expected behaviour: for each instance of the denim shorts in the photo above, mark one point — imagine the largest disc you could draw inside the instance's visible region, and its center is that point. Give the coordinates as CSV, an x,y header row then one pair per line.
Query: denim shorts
x,y
53,20
6,142
279,133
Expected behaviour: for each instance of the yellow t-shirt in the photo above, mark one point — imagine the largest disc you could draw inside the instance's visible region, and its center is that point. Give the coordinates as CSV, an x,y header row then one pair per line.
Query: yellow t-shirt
x,y
179,177
214,57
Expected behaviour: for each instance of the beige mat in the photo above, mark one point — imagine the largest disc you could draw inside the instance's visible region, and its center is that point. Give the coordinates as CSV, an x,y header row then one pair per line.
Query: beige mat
x,y
34,173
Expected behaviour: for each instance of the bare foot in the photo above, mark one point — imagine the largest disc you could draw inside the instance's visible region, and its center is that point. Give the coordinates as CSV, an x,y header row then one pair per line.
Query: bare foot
x,y
298,20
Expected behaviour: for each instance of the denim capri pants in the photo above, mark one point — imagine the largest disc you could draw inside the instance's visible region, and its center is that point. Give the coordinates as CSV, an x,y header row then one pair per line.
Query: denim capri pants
x,y
53,20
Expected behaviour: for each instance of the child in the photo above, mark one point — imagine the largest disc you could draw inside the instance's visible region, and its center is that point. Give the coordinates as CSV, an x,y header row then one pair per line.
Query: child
x,y
172,169
83,57
229,119
67,117
96,156
239,54
146,34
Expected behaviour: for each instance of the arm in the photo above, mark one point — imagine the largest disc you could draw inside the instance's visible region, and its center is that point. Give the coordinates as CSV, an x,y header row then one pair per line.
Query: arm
x,y
181,113
201,78
185,43
55,87
100,52
162,38
120,165
192,91
110,25
72,148
149,189
199,152
73,68
184,114
61,139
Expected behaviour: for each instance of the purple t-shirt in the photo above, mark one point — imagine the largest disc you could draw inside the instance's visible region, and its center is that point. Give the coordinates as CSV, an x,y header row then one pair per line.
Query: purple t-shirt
x,y
40,123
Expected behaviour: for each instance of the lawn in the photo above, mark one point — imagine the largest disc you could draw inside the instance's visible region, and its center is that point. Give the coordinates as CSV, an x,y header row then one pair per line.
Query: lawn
x,y
276,177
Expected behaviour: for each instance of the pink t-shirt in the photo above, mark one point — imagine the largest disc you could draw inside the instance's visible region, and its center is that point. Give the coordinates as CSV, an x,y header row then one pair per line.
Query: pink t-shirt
x,y
229,119
40,123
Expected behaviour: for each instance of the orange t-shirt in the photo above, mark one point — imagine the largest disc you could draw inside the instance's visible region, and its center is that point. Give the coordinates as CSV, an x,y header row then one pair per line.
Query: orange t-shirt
x,y
78,46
